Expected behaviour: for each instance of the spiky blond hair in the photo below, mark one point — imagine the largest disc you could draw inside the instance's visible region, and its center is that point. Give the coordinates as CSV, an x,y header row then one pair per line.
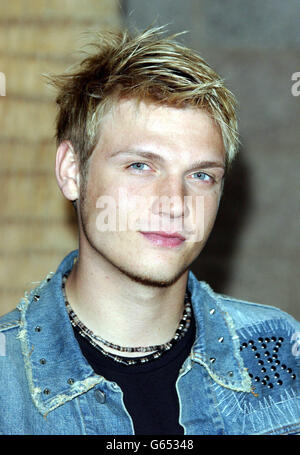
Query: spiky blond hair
x,y
148,66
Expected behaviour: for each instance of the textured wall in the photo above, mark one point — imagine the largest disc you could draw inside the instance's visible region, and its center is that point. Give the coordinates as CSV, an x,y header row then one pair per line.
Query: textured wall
x,y
254,250
36,230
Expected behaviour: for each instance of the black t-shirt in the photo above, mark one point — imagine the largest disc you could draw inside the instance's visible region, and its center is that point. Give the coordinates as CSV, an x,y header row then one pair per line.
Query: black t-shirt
x,y
149,391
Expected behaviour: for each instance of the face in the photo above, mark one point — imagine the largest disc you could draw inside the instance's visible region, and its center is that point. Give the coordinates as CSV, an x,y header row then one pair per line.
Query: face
x,y
155,169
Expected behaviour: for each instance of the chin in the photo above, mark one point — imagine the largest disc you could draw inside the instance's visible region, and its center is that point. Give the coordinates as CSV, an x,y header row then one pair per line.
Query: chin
x,y
153,279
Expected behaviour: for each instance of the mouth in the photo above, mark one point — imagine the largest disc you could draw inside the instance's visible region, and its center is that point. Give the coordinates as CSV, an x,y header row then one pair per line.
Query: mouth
x,y
165,239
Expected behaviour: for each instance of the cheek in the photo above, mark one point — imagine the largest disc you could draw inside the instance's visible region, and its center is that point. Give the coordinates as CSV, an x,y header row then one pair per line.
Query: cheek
x,y
211,205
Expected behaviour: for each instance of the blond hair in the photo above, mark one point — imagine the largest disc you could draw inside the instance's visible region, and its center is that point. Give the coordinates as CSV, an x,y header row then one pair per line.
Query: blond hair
x,y
146,67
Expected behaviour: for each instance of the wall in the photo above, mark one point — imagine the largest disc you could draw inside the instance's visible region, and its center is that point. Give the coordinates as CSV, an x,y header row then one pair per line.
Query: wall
x,y
36,223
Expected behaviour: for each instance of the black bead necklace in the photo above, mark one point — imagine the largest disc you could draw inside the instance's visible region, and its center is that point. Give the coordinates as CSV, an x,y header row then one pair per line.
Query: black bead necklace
x,y
159,349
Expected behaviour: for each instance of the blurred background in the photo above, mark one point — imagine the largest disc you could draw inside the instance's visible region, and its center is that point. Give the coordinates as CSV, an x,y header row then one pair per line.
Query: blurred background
x,y
253,252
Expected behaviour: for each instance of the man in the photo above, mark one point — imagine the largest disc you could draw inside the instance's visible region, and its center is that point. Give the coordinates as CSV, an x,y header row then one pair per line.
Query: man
x,y
123,339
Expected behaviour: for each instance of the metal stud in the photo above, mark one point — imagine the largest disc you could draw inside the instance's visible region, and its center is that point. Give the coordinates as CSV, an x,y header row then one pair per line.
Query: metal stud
x,y
221,339
38,328
100,396
36,298
42,361
230,374
212,311
212,359
46,391
70,381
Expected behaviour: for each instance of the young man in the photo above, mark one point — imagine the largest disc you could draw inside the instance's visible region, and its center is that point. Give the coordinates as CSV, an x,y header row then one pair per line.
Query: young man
x,y
123,339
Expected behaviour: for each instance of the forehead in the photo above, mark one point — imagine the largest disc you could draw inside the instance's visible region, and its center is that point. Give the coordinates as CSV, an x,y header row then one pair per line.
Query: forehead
x,y
130,123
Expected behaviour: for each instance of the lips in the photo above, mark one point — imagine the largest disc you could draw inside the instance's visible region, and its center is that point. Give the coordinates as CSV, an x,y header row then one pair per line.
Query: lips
x,y
161,238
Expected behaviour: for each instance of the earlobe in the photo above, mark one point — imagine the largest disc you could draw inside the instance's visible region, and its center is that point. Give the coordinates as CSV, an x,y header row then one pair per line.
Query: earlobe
x,y
67,170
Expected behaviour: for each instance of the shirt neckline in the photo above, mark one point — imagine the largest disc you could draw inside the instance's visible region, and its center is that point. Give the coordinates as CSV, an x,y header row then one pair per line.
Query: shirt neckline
x,y
92,353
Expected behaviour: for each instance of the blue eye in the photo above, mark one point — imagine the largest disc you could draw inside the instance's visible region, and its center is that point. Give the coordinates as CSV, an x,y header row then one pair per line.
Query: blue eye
x,y
139,166
203,176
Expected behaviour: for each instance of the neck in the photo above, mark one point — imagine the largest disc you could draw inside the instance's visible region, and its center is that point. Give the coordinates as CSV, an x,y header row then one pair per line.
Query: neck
x,y
120,310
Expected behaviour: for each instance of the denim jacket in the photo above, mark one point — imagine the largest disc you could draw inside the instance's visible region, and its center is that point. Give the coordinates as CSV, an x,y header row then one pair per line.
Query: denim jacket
x,y
242,376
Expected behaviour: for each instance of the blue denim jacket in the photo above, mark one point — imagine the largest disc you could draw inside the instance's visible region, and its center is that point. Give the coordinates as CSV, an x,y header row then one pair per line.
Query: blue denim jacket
x,y
242,376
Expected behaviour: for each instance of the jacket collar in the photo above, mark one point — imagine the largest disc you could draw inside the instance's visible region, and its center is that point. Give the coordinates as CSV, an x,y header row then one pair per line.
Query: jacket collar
x,y
58,372
217,345
56,369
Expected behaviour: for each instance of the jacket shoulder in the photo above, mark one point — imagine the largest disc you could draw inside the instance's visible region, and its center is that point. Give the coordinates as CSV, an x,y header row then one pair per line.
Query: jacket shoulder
x,y
245,313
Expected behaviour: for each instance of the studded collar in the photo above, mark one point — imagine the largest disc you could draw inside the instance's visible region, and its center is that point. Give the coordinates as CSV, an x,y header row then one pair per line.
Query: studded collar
x,y
58,372
217,345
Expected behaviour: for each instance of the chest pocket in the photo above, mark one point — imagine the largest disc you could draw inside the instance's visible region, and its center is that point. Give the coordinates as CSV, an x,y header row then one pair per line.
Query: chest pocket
x,y
274,405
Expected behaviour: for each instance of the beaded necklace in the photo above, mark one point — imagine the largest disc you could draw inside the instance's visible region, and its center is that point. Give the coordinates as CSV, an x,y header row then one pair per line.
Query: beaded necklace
x,y
159,349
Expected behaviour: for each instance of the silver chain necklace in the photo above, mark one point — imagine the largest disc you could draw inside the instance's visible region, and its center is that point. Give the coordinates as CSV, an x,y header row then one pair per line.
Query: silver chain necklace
x,y
159,349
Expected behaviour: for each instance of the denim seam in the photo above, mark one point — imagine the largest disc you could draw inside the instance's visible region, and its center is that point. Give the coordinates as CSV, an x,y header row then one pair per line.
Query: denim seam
x,y
245,385
285,427
9,325
229,404
239,387
217,407
186,367
246,380
270,324
22,336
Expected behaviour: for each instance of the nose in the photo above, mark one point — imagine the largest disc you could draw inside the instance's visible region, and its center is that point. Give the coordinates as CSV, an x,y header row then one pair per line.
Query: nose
x,y
170,198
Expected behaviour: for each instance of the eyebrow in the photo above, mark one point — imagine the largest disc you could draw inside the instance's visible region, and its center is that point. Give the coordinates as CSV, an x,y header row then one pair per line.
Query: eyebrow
x,y
150,155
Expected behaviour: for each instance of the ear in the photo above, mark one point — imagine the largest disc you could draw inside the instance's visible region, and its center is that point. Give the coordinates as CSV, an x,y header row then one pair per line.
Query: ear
x,y
67,171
